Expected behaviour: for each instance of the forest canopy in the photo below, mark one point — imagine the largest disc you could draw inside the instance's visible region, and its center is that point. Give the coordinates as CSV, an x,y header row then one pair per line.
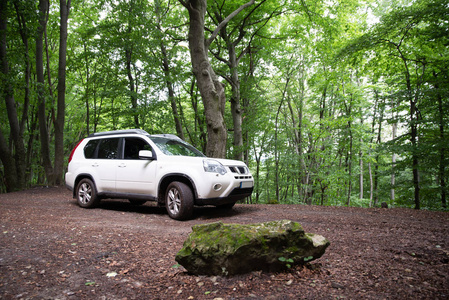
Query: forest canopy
x,y
340,102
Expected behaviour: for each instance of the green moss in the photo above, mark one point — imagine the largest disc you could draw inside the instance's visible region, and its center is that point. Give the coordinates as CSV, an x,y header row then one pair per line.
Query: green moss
x,y
212,248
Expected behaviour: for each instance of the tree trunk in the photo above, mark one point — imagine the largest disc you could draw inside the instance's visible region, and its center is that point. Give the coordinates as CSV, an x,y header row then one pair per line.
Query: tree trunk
x,y
171,92
199,121
378,142
276,154
322,160
349,167
236,110
442,167
23,30
132,88
413,131
87,89
393,166
348,161
43,131
14,163
60,117
414,136
361,161
166,69
211,89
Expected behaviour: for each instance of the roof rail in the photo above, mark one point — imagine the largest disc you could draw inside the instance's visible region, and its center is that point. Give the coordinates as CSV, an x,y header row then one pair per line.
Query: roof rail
x,y
124,131
168,136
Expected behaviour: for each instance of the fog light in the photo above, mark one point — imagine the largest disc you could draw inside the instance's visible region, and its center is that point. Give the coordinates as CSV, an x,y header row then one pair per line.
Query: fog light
x,y
217,187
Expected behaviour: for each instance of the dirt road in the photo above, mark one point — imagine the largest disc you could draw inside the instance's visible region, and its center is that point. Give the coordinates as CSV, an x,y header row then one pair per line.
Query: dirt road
x,y
52,249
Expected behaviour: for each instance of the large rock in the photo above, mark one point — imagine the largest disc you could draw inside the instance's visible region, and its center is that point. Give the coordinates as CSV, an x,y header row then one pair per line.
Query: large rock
x,y
227,249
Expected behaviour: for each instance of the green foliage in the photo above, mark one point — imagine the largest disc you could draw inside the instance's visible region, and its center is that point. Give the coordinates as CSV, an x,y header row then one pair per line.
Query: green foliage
x,y
287,261
308,258
321,86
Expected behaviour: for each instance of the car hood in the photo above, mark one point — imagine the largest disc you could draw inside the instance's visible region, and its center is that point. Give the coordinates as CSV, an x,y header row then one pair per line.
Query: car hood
x,y
229,162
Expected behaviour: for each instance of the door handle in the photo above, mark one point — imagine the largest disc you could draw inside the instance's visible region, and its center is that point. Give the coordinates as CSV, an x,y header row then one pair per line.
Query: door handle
x,y
95,165
122,165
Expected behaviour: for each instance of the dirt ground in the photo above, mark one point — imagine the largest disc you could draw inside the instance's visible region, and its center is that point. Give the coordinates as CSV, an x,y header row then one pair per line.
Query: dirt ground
x,y
52,249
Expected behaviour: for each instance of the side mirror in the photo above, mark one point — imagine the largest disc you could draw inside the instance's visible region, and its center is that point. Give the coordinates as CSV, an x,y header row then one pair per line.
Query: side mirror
x,y
146,154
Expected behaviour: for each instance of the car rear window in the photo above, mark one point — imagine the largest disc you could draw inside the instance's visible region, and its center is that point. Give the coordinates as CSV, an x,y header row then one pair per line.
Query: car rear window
x,y
90,148
102,148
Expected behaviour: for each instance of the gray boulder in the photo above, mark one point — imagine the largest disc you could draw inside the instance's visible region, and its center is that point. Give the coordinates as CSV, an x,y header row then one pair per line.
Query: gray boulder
x,y
228,249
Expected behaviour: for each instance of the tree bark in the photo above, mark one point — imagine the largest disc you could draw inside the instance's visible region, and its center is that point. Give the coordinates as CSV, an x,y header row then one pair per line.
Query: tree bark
x,y
378,142
166,69
413,130
43,131
348,161
393,165
171,92
60,117
14,163
236,110
23,30
442,150
361,193
132,88
211,89
87,89
199,121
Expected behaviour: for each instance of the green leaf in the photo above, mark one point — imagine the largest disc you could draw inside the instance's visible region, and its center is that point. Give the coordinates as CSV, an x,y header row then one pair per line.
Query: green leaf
x,y
308,258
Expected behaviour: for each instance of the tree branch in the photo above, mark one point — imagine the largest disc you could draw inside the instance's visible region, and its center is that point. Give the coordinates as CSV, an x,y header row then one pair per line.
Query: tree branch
x,y
184,3
226,21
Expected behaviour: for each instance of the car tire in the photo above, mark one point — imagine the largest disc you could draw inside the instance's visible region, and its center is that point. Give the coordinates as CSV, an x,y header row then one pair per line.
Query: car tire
x,y
86,193
179,201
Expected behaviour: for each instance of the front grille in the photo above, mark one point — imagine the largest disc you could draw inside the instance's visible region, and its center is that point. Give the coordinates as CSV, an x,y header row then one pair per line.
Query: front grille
x,y
239,170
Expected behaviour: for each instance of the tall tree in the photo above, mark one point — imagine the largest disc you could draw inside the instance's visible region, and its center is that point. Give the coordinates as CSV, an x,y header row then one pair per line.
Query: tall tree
x,y
407,34
54,172
60,117
160,14
13,159
41,95
211,89
237,37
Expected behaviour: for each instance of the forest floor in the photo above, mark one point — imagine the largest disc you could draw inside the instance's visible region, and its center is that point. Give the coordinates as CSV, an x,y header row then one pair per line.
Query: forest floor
x,y
52,249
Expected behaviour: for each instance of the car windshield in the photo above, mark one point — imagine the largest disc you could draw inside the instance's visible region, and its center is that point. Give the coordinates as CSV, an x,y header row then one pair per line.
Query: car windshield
x,y
175,147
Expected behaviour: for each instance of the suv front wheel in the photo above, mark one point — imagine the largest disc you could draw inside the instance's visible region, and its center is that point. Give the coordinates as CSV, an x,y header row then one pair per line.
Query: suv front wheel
x,y
179,201
86,193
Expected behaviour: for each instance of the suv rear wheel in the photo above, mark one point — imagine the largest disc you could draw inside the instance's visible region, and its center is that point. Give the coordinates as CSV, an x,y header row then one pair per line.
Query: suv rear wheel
x,y
179,201
86,194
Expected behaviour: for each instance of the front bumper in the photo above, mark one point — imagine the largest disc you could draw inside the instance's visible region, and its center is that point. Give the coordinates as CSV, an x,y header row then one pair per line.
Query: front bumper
x,y
235,195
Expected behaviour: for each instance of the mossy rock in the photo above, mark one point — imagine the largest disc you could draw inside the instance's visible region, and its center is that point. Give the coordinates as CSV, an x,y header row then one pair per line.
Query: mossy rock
x,y
228,249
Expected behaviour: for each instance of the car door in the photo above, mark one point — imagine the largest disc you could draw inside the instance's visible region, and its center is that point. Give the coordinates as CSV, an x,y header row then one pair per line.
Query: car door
x,y
104,164
135,175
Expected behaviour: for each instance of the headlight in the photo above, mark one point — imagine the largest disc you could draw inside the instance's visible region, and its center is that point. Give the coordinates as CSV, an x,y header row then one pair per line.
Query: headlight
x,y
213,166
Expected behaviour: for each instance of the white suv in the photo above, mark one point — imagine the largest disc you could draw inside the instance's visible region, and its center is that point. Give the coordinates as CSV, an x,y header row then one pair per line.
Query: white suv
x,y
131,164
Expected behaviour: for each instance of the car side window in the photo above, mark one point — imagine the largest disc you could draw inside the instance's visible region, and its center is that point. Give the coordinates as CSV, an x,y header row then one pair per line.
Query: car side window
x,y
133,146
108,148
91,148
